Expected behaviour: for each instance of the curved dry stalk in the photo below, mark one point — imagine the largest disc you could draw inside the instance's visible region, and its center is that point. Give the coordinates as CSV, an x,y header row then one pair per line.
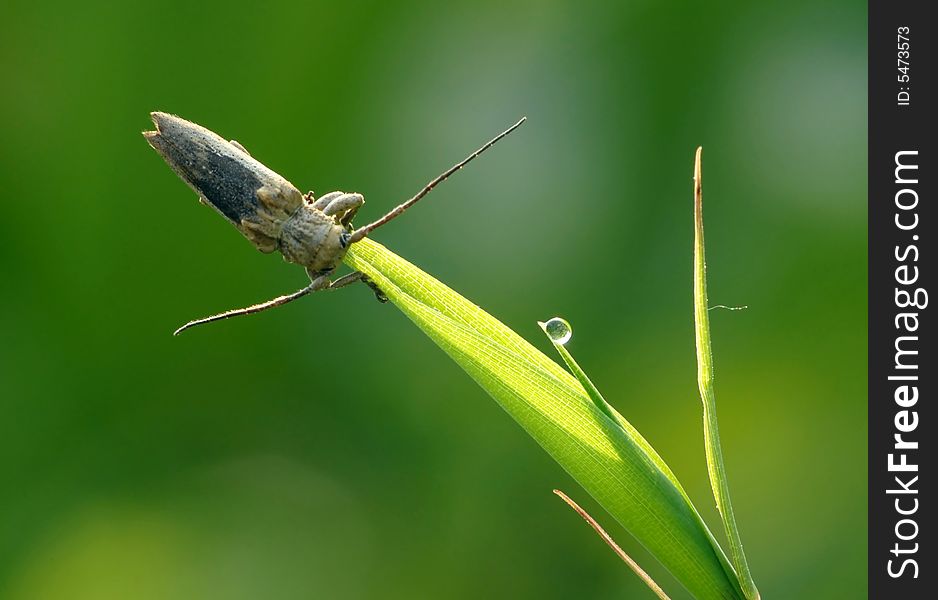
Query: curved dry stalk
x,y
615,547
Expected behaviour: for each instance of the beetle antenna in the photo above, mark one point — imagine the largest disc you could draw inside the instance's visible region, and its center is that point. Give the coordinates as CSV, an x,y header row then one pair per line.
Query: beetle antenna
x,y
358,234
256,308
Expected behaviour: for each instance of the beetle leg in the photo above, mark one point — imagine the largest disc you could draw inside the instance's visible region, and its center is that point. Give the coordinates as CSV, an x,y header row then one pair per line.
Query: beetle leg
x,y
344,207
379,295
358,276
346,219
324,201
346,279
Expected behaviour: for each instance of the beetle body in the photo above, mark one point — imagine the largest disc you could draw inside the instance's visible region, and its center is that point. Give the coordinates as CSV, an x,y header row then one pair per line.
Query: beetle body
x,y
313,239
266,208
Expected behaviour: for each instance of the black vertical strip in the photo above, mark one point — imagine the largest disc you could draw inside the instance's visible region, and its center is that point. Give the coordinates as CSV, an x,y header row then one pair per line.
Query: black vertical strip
x,y
902,365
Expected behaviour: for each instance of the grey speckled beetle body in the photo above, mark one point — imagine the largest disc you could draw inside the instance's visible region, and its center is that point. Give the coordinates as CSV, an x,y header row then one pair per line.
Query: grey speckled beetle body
x,y
269,210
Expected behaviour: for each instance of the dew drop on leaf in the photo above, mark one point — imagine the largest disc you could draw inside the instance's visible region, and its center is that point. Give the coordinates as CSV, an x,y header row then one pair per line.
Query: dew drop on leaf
x,y
558,330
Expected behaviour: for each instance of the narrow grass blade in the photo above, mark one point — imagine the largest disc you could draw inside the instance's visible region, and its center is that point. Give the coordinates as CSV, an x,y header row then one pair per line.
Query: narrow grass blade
x,y
559,332
607,457
715,466
615,547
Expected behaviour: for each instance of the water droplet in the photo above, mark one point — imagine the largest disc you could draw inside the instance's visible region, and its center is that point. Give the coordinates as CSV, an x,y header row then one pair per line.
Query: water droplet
x,y
558,330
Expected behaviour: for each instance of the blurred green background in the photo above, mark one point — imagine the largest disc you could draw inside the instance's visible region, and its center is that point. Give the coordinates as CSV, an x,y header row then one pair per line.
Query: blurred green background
x,y
327,449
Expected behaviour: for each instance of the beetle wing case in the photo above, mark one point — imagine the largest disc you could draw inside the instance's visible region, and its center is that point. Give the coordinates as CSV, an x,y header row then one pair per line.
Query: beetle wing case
x,y
254,198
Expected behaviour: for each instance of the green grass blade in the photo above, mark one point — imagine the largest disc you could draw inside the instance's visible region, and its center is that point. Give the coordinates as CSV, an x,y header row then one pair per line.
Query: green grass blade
x,y
556,326
611,461
715,466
